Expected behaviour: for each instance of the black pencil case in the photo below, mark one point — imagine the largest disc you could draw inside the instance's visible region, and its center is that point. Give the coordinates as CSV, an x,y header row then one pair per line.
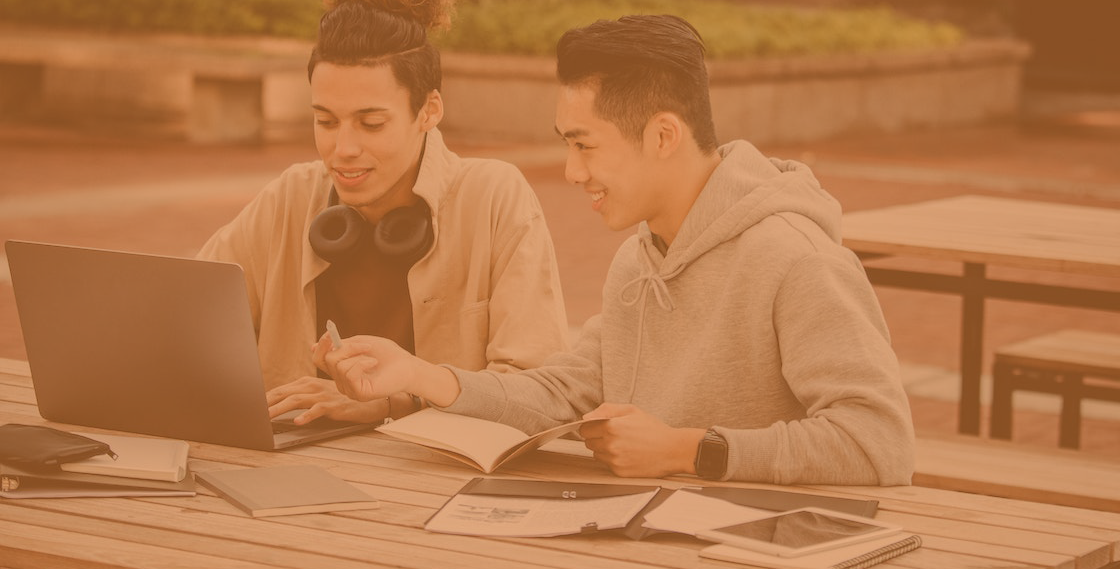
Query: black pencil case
x,y
36,446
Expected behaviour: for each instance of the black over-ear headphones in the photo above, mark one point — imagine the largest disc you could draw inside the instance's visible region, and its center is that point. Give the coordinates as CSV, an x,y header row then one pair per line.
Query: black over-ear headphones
x,y
340,232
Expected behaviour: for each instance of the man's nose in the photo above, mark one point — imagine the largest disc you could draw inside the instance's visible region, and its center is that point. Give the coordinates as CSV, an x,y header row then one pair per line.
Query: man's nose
x,y
348,142
575,171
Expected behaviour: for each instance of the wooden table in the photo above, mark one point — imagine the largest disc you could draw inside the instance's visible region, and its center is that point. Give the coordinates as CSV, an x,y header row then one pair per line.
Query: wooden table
x,y
958,530
1024,472
979,232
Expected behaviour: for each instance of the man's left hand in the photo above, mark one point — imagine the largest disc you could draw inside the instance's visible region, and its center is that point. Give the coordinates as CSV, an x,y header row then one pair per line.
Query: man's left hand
x,y
321,398
634,443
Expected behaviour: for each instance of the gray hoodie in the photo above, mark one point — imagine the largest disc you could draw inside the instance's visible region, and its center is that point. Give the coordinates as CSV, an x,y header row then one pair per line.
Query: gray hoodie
x,y
756,321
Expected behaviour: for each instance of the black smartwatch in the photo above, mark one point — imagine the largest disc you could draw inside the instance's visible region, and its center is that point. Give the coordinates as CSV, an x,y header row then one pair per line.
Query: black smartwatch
x,y
711,456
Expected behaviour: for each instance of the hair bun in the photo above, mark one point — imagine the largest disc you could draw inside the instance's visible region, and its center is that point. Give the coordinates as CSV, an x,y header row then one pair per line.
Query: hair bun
x,y
432,14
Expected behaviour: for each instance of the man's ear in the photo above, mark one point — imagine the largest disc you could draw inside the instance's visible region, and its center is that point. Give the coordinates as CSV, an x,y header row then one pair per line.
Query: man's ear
x,y
432,112
664,133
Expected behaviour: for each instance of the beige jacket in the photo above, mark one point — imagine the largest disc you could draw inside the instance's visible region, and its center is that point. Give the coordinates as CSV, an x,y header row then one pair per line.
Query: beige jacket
x,y
487,295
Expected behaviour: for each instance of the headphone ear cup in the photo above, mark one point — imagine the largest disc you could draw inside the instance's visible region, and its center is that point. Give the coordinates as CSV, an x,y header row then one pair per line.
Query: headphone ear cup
x,y
405,233
336,233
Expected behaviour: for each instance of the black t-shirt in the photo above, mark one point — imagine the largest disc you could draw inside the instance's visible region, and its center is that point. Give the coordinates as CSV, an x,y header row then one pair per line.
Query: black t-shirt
x,y
367,295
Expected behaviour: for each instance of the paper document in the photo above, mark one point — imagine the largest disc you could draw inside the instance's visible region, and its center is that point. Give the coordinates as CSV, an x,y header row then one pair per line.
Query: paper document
x,y
500,516
689,512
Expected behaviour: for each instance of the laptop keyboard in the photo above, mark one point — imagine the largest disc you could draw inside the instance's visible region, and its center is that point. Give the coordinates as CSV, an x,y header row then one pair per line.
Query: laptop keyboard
x,y
283,426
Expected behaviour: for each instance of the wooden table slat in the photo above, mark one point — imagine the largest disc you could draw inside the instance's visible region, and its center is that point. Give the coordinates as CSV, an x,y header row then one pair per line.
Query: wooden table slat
x,y
995,553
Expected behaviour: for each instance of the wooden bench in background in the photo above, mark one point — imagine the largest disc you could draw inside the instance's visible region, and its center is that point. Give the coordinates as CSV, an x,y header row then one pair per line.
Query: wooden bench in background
x,y
1000,468
201,89
1072,364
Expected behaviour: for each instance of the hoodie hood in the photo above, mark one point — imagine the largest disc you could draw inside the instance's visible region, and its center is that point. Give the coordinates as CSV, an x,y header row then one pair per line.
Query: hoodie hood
x,y
744,189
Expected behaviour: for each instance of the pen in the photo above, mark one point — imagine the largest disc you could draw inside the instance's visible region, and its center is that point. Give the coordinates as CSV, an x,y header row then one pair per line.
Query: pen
x,y
336,341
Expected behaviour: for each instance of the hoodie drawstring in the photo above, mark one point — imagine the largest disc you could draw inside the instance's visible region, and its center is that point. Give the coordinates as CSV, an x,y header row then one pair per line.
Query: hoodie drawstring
x,y
645,281
635,292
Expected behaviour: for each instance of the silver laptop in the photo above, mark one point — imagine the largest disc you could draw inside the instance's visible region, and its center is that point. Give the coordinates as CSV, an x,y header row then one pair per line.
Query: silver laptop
x,y
147,344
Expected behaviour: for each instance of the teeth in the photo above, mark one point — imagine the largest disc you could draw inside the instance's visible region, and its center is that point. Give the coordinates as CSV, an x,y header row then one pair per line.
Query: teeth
x,y
598,196
351,174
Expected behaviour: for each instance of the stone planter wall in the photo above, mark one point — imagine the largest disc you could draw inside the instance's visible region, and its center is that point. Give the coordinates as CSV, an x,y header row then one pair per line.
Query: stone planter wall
x,y
161,86
768,100
209,90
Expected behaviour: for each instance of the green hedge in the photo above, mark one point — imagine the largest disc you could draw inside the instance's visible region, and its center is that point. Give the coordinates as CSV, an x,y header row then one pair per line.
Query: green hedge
x,y
730,29
284,18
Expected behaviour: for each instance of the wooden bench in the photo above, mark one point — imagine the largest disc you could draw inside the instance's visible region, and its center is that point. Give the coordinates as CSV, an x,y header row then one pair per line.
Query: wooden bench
x,y
1073,364
1009,470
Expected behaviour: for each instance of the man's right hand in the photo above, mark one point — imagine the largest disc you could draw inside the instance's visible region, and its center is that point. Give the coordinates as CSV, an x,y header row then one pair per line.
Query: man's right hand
x,y
367,368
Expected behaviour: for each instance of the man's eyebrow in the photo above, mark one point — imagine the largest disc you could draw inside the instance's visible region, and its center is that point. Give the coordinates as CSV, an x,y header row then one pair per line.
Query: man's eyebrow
x,y
365,111
571,133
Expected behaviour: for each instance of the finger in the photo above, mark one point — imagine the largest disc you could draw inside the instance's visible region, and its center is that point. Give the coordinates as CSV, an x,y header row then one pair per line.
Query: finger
x,y
275,395
363,380
603,411
594,444
304,384
604,459
283,406
591,431
319,350
352,347
317,410
354,369
333,357
326,355
612,410
343,386
347,375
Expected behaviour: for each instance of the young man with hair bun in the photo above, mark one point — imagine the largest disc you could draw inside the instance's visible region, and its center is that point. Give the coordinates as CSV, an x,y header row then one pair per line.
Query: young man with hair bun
x,y
391,233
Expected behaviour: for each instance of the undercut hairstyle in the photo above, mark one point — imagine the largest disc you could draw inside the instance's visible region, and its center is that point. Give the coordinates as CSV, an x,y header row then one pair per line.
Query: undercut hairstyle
x,y
641,66
383,32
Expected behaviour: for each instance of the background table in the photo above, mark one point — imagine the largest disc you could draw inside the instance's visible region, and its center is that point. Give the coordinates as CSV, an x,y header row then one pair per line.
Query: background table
x,y
958,530
978,232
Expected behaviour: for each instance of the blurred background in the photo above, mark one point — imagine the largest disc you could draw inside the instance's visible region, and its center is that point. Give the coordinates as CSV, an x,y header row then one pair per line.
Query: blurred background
x,y
145,125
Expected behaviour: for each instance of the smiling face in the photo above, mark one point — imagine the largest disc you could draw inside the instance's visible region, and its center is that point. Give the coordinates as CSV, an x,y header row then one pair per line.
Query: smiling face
x,y
367,135
618,175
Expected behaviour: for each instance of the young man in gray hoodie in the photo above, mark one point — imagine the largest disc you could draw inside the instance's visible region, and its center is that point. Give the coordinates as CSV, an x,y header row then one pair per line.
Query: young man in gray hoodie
x,y
738,339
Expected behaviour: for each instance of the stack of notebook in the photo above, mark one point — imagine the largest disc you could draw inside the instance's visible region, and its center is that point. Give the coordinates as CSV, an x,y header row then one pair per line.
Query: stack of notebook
x,y
143,467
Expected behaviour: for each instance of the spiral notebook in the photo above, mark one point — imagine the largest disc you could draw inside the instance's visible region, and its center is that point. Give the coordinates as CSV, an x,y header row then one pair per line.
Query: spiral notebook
x,y
855,556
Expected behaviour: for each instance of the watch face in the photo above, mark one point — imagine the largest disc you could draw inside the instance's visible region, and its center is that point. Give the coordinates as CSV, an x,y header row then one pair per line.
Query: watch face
x,y
711,459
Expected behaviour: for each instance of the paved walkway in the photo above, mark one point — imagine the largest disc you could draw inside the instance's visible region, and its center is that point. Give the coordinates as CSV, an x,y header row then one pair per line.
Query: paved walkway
x,y
168,198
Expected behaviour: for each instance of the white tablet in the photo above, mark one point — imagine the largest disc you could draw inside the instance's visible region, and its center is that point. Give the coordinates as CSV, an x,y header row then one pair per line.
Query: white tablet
x,y
800,532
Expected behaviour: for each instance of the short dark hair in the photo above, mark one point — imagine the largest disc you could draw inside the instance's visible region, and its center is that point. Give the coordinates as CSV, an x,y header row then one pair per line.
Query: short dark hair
x,y
641,65
357,33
